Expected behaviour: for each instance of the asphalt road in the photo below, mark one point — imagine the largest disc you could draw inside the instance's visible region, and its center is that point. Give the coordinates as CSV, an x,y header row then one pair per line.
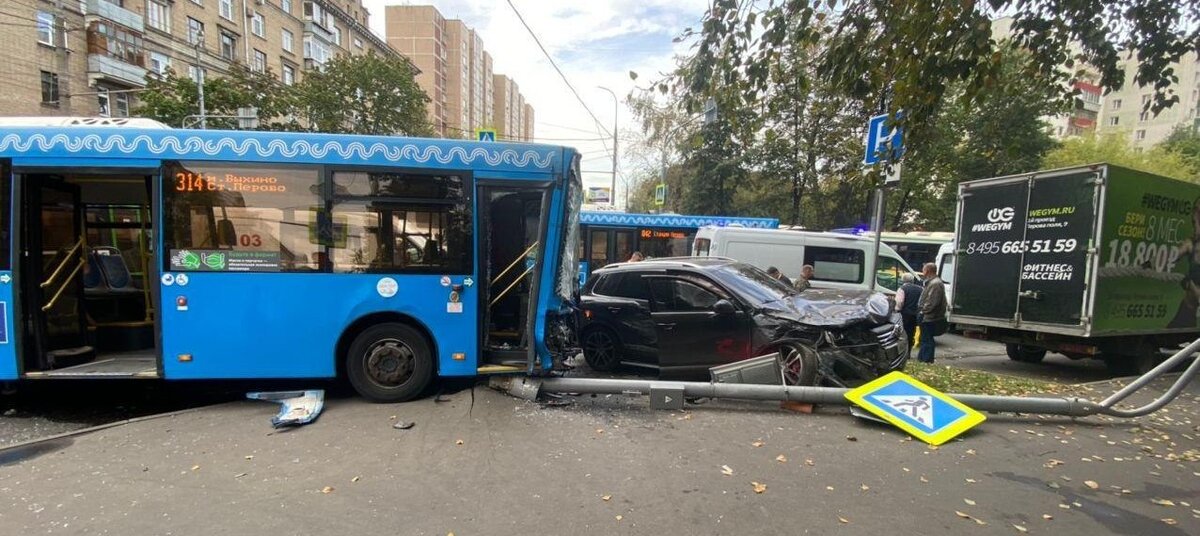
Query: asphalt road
x,y
485,463
988,356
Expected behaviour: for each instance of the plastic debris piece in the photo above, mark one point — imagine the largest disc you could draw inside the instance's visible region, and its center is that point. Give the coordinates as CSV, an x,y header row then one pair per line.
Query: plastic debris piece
x,y
298,407
404,425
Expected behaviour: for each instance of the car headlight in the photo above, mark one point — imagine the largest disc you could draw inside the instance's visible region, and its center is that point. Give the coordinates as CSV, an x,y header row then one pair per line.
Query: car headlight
x,y
879,308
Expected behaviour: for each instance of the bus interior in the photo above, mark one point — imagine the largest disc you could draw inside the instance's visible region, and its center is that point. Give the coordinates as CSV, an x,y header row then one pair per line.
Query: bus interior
x,y
86,272
511,221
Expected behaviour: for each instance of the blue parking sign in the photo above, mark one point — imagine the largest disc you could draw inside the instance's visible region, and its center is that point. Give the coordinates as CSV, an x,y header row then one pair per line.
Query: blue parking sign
x,y
883,138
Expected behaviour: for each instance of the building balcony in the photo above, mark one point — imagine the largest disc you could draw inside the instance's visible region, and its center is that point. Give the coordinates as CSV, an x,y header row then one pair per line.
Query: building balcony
x,y
103,68
313,28
115,13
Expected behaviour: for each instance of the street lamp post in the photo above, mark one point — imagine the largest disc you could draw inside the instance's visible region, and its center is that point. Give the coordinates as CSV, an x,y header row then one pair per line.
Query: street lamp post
x,y
200,78
612,195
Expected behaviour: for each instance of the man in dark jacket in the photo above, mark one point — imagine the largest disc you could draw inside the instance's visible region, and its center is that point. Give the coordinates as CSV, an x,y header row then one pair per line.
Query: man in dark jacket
x,y
932,308
908,301
775,273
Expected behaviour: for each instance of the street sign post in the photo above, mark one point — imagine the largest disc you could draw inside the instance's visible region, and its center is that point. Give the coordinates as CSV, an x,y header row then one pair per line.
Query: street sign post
x,y
660,195
884,143
485,134
922,411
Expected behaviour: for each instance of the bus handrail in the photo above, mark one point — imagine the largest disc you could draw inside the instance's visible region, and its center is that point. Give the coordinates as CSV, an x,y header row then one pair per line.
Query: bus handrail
x,y
63,264
506,290
514,263
50,304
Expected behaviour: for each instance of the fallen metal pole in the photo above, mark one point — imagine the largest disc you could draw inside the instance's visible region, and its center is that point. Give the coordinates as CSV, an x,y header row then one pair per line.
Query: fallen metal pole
x,y
1172,392
1074,407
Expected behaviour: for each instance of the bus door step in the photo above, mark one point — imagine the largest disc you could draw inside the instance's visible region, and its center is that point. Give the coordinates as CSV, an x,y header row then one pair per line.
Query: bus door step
x,y
69,357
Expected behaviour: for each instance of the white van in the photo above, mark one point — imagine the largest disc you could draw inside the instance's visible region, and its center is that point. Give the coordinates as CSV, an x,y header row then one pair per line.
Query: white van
x,y
838,260
945,268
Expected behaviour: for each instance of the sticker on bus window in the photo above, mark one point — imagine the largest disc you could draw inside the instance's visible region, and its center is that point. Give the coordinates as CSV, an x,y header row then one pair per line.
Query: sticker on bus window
x,y
224,260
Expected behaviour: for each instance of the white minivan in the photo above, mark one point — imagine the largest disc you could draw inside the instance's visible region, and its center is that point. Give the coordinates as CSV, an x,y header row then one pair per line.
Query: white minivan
x,y
838,260
945,268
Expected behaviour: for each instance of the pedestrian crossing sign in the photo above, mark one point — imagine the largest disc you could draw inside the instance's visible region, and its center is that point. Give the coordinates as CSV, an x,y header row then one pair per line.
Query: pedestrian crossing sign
x,y
485,134
916,408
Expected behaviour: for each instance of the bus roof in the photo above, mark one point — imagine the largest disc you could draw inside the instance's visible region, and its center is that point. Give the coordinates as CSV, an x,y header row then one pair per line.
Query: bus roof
x,y
30,145
625,219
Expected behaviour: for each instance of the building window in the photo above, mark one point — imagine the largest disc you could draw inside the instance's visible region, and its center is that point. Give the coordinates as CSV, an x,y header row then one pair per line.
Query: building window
x,y
195,31
1139,135
337,34
159,63
269,218
1116,104
260,61
1114,121
104,102
49,88
317,50
198,2
316,13
45,28
121,100
158,15
228,46
287,41
225,8
358,43
289,74
258,25
286,6
1145,100
1143,117
117,42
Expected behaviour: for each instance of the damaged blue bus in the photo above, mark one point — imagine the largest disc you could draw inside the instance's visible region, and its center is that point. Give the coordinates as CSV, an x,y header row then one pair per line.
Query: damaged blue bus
x,y
132,250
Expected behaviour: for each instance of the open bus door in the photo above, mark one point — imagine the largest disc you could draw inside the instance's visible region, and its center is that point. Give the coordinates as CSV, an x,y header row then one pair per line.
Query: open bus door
x,y
510,252
8,355
52,271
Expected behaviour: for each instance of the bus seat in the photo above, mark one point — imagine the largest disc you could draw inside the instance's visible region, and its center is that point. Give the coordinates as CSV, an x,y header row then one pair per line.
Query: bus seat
x,y
116,272
92,277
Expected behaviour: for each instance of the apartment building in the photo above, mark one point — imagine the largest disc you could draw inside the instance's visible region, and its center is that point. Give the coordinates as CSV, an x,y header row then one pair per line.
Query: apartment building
x,y
457,74
1122,109
91,57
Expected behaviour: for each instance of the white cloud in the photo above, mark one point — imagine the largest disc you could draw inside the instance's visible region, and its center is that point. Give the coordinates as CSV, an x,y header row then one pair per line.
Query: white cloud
x,y
595,43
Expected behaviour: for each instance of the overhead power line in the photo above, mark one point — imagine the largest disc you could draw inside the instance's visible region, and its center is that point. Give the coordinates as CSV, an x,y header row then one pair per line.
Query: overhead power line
x,y
600,125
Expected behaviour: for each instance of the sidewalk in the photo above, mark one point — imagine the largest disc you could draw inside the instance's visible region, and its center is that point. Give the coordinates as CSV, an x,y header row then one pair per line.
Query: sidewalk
x,y
605,465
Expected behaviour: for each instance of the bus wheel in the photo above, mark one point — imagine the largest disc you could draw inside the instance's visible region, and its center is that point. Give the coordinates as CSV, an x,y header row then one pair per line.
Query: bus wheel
x,y
389,363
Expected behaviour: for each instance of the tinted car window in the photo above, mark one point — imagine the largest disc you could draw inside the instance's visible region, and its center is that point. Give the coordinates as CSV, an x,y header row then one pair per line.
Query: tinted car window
x,y
623,286
752,284
677,295
835,264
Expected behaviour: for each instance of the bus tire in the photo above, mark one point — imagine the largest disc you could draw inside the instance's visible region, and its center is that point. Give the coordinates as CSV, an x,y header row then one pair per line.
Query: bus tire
x,y
389,362
1024,354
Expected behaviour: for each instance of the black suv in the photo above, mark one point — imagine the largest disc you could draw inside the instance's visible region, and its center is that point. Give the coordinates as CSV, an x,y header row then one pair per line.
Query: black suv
x,y
681,316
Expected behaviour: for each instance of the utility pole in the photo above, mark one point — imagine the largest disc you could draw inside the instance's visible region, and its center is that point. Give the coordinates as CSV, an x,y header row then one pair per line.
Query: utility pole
x,y
612,196
64,67
200,78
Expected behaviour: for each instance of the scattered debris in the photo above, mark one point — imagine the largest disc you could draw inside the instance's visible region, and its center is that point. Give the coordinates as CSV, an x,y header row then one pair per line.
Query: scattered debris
x,y
404,425
298,407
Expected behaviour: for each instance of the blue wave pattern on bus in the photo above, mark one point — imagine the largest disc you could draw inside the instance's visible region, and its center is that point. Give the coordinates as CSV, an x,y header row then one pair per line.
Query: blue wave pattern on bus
x,y
672,220
188,146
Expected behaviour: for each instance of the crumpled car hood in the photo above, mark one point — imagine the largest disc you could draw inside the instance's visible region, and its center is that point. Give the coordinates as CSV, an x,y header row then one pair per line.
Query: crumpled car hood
x,y
824,307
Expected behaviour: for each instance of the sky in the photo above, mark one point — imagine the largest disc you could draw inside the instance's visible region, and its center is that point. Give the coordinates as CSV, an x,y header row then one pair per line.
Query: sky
x,y
595,43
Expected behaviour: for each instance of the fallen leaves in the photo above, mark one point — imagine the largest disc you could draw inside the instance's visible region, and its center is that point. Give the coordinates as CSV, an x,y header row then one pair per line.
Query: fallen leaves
x,y
460,442
924,480
1169,521
843,520
356,479
965,515
969,502
327,490
1091,484
606,498
851,438
781,458
757,444
1050,464
249,457
809,463
1162,502
620,517
759,487
1020,528
1047,517
195,468
726,470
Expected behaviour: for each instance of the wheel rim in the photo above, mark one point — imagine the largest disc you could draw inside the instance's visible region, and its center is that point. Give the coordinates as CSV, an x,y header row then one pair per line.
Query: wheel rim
x,y
792,364
601,348
390,362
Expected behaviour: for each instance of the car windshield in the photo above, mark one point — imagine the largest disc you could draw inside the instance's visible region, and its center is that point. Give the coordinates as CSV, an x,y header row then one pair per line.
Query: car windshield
x,y
753,284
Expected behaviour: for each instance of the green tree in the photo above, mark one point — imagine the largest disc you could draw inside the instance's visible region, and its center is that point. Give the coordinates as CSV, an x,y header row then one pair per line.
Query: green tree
x,y
365,94
173,99
1115,148
1185,141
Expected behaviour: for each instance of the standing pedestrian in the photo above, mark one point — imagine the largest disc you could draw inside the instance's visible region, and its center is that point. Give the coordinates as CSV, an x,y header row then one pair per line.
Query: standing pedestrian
x,y
932,308
637,257
908,301
806,275
776,274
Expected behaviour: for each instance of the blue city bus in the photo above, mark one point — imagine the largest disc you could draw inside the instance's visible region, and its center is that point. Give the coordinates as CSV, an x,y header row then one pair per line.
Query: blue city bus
x,y
609,237
132,250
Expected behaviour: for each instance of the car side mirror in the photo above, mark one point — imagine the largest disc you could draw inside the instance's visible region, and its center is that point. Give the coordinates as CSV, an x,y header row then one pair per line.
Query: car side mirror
x,y
723,307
